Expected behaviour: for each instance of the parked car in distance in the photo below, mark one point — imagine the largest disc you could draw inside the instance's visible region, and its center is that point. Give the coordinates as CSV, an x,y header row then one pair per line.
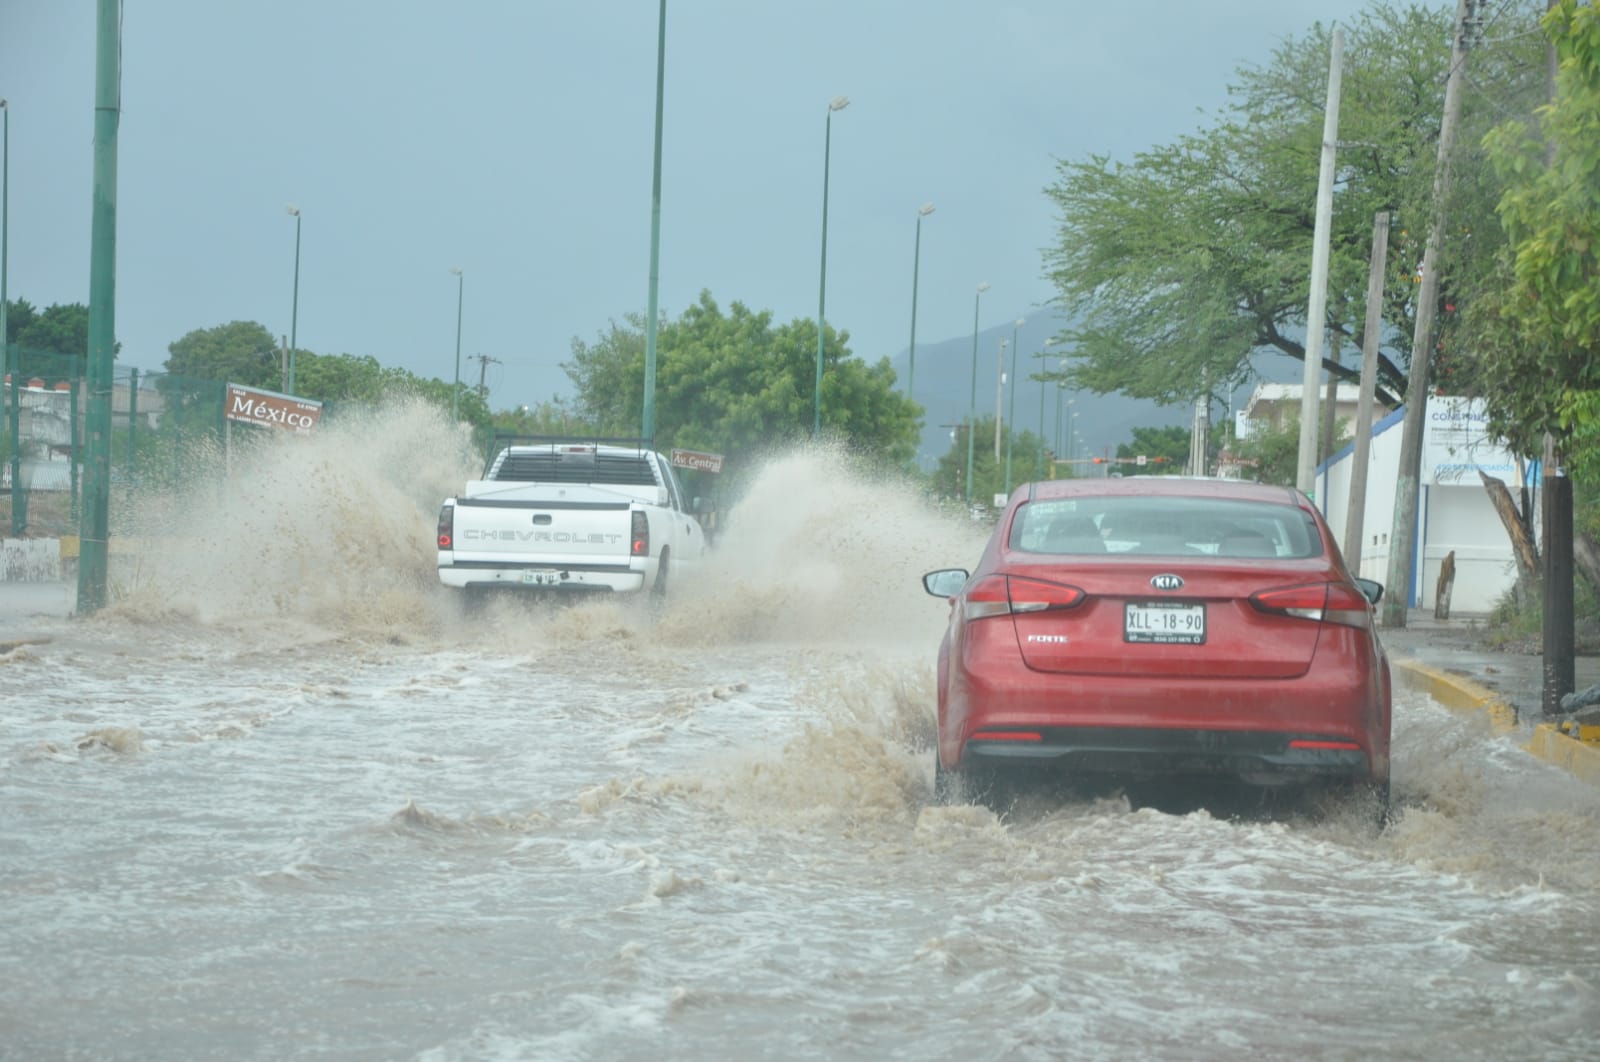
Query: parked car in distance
x,y
1161,627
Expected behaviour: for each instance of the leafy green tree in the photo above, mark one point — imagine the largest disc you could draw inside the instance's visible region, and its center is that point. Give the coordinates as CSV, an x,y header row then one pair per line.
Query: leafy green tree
x,y
1166,450
1274,451
61,329
737,384
1030,460
241,352
1539,363
1180,264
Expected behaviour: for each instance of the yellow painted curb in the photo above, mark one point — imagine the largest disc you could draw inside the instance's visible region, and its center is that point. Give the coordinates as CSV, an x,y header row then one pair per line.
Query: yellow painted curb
x,y
1455,691
1552,746
69,546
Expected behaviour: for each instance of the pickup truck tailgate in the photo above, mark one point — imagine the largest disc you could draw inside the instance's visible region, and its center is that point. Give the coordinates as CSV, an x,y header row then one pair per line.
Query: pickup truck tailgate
x,y
550,532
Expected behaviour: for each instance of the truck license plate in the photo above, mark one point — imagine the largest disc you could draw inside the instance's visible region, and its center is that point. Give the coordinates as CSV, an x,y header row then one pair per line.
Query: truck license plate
x,y
1166,623
540,577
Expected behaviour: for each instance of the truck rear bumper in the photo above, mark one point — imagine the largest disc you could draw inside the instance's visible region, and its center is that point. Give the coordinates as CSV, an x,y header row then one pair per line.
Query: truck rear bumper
x,y
544,577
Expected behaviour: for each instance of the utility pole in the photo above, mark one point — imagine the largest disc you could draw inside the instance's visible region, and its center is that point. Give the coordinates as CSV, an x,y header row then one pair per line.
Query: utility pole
x,y
93,529
1402,535
483,361
1317,311
1353,531
1559,638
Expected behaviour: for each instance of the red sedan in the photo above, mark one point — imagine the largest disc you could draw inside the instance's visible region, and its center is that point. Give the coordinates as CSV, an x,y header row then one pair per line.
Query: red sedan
x,y
1156,628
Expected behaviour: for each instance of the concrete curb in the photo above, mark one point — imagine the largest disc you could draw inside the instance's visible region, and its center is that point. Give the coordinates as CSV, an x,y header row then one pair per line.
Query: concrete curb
x,y
1548,743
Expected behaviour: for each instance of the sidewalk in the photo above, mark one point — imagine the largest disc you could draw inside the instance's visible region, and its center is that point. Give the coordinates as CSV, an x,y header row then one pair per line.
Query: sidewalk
x,y
1452,662
26,608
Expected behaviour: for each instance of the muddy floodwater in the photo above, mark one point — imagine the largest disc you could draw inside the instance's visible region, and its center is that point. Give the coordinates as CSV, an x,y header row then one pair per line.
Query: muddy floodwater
x,y
285,800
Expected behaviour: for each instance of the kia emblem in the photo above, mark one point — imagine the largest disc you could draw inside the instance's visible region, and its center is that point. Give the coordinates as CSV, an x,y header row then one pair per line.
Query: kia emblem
x,y
1167,581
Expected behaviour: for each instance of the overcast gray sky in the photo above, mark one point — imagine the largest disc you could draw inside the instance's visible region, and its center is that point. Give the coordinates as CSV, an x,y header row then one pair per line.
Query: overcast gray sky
x,y
514,139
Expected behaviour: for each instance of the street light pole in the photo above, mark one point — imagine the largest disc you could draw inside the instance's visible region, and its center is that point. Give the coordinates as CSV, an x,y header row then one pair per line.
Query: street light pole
x,y
1044,366
294,312
1011,413
455,390
838,103
972,403
648,425
14,395
916,260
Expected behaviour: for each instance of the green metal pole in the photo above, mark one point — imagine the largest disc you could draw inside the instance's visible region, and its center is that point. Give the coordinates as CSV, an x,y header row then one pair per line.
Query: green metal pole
x,y
838,103
94,529
972,403
294,311
1011,411
455,390
647,428
916,262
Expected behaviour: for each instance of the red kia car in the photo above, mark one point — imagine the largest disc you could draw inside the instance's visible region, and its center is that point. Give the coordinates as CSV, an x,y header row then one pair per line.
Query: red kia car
x,y
1161,627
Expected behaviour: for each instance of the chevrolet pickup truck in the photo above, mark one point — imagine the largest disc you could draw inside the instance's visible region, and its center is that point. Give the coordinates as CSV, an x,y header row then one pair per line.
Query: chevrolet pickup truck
x,y
570,514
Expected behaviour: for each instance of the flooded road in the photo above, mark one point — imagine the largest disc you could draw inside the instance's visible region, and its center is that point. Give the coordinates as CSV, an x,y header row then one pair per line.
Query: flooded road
x,y
245,818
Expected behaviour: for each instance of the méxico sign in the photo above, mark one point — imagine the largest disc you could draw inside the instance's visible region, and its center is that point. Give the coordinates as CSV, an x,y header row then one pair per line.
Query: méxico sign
x,y
271,410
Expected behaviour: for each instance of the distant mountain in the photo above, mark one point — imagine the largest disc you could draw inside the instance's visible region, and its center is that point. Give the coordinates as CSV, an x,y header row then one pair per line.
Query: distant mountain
x,y
943,386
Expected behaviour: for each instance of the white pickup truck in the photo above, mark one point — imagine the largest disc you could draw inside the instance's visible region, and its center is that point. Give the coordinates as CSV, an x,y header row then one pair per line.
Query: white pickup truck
x,y
562,513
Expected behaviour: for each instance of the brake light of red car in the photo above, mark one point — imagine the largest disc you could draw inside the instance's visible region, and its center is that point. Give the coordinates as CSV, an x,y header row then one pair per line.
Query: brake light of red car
x,y
641,534
447,526
1320,602
1003,595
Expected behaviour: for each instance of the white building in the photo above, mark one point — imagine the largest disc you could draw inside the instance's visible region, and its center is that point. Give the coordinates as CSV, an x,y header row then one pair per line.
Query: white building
x,y
1453,509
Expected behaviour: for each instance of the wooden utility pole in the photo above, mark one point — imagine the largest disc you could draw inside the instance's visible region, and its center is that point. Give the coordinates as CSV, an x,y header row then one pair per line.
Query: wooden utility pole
x,y
1317,311
1402,535
1353,530
483,361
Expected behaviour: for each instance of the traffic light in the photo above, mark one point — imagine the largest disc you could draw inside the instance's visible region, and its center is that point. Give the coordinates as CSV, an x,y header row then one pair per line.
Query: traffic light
x,y
1099,460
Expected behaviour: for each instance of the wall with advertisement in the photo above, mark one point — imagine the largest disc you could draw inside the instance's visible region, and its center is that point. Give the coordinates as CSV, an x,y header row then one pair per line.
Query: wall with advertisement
x,y
1453,510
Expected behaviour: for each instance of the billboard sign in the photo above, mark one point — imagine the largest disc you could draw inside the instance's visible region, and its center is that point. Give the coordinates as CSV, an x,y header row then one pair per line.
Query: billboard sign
x,y
268,409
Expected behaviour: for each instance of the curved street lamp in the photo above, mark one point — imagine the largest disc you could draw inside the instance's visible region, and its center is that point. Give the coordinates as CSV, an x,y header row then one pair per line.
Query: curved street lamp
x,y
838,103
972,403
455,390
294,312
916,260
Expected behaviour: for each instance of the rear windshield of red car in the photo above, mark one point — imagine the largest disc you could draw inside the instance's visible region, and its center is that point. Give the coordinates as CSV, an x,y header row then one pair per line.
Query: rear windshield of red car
x,y
1165,527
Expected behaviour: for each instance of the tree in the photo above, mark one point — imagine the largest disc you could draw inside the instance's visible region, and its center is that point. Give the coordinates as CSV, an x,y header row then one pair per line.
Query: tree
x,y
1179,265
736,384
241,352
1539,364
1166,450
1030,460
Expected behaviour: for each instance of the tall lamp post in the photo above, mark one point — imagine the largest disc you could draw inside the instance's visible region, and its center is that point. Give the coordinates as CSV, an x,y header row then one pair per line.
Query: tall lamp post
x,y
294,312
916,260
1044,366
838,103
455,389
1011,411
14,395
972,403
648,421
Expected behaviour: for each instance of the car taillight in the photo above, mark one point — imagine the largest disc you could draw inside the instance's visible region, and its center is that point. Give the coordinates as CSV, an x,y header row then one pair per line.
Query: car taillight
x,y
1320,602
641,534
1003,595
447,526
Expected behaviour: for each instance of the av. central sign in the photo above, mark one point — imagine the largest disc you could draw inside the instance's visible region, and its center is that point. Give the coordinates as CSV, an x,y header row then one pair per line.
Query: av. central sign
x,y
268,409
698,460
